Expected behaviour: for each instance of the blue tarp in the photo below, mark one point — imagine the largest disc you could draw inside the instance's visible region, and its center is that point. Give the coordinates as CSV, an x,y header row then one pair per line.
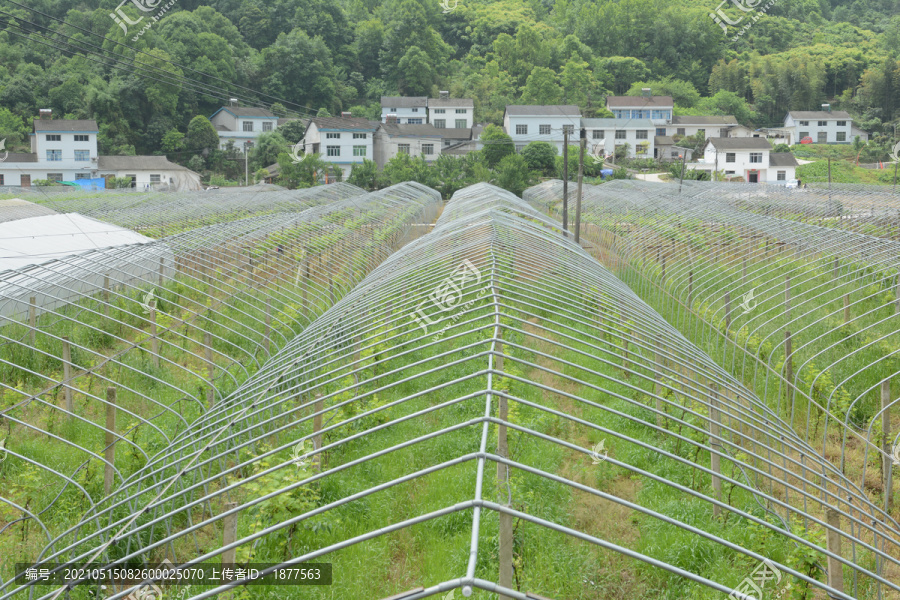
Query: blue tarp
x,y
606,173
91,184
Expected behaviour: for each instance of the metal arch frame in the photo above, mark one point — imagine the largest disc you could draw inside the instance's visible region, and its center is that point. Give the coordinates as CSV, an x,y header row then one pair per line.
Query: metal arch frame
x,y
490,232
394,211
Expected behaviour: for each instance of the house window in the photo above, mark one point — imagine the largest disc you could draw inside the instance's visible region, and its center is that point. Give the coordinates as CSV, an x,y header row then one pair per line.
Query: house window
x,y
461,123
598,134
660,131
82,155
461,111
675,154
679,131
54,137
756,157
544,129
823,137
82,138
701,132
729,172
842,123
804,134
402,148
440,111
427,149
519,148
393,110
414,121
360,136
415,110
842,136
359,150
570,129
54,176
332,136
730,157
804,123
641,134
620,134
155,178
267,126
823,123
54,155
782,175
521,129
333,150
1,179
81,176
248,125
440,123
723,132
642,148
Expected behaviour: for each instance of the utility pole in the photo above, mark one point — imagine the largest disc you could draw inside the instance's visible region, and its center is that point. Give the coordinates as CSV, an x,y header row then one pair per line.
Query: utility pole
x,y
896,164
829,172
247,145
565,181
580,178
683,161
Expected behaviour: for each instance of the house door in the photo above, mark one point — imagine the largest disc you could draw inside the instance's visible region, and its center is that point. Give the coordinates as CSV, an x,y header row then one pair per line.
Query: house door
x,y
753,177
26,181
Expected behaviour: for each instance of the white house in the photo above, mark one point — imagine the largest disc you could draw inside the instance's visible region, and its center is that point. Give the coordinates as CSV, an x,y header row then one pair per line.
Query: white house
x,y
857,132
342,141
409,110
823,126
66,151
451,113
526,124
658,109
604,135
724,126
749,158
240,124
392,139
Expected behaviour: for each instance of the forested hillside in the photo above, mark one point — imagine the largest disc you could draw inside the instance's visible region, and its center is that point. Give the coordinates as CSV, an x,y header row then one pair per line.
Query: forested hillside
x,y
303,56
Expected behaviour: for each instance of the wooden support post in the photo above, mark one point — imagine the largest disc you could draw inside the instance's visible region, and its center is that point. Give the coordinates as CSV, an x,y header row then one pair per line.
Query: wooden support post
x,y
715,448
32,318
833,540
110,453
897,302
305,267
887,444
835,268
658,388
846,308
267,341
154,340
229,533
727,312
210,369
162,270
744,272
787,298
67,373
690,289
106,295
788,363
317,427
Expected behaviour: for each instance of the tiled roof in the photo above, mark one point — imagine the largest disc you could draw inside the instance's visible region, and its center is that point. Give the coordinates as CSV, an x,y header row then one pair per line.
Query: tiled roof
x,y
345,123
451,103
411,130
550,110
640,101
699,120
782,159
820,114
404,101
750,143
618,123
65,125
137,163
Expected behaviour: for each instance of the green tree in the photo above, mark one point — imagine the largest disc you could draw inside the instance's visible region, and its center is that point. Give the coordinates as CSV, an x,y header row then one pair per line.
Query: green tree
x,y
540,157
542,88
268,147
416,73
625,71
683,92
173,141
201,136
293,131
365,175
513,174
300,175
12,127
497,145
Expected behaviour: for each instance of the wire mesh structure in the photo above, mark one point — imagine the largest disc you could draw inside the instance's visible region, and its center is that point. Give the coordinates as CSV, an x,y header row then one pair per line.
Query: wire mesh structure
x,y
170,341
808,316
469,406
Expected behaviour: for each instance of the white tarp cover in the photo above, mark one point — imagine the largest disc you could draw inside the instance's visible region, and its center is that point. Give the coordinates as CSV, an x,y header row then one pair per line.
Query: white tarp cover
x,y
37,240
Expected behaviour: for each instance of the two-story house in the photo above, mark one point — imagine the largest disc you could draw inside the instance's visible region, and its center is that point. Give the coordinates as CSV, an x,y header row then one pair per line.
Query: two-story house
x,y
409,110
65,151
392,139
714,126
240,124
823,126
658,109
531,123
342,141
604,135
749,158
451,113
